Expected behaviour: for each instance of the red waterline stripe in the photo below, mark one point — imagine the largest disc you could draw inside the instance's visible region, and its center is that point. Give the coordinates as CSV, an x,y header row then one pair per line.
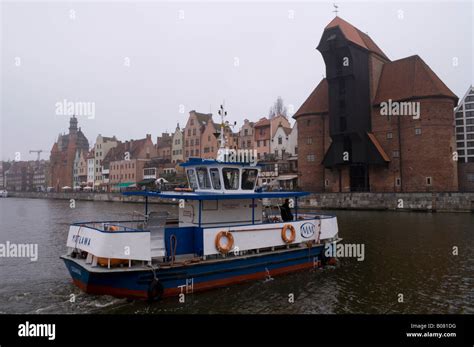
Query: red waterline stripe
x,y
168,292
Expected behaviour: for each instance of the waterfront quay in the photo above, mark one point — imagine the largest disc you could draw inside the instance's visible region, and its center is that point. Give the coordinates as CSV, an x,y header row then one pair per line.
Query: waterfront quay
x,y
418,202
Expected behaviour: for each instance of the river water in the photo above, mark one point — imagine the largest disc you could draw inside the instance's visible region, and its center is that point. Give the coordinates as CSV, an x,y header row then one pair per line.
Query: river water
x,y
405,253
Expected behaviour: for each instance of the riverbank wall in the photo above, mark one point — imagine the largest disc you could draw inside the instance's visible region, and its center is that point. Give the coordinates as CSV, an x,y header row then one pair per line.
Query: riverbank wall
x,y
422,202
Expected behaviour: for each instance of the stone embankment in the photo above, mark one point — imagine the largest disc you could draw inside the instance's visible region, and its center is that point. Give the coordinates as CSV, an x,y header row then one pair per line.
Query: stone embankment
x,y
427,202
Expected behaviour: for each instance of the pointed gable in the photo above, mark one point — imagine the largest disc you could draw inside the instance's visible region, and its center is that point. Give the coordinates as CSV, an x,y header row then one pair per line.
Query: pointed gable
x,y
356,36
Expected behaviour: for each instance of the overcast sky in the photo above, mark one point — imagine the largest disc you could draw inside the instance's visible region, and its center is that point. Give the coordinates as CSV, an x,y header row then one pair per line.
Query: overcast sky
x,y
138,62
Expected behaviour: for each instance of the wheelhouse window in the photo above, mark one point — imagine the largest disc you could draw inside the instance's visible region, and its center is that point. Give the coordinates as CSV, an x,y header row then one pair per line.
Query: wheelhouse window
x,y
231,178
192,179
215,179
203,178
249,178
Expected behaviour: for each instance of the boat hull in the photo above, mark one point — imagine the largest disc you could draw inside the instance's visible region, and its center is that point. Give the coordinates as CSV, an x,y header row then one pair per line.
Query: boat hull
x,y
185,279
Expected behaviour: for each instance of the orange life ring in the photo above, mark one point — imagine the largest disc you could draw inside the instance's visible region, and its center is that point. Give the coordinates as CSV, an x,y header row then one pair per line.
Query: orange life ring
x,y
113,228
104,262
285,237
224,248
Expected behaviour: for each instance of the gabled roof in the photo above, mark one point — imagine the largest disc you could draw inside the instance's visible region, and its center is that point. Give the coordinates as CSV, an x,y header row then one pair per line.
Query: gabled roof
x,y
317,102
264,121
202,118
356,36
164,141
410,78
133,147
287,131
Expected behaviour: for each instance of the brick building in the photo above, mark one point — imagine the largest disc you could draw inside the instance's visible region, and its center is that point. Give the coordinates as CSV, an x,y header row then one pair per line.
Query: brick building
x,y
126,162
192,133
163,146
19,177
246,135
347,141
63,154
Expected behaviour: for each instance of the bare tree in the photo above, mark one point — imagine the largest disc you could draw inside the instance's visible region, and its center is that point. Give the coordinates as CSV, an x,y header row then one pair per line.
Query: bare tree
x,y
278,108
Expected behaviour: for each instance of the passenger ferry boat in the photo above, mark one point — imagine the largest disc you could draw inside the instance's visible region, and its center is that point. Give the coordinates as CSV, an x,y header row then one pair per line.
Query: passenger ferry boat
x,y
224,235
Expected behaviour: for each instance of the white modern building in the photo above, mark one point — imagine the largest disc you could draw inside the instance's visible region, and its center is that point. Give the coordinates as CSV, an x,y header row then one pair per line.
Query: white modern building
x,y
464,114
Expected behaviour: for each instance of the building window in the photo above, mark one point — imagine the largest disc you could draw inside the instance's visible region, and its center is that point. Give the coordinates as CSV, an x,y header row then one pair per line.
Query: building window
x,y
459,122
389,136
326,183
189,132
428,181
470,177
194,131
209,138
398,181
280,140
309,140
308,123
417,131
396,154
192,122
310,157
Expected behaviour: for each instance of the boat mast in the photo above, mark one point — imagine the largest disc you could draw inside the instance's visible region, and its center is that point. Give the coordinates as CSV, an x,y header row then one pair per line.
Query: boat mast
x,y
222,151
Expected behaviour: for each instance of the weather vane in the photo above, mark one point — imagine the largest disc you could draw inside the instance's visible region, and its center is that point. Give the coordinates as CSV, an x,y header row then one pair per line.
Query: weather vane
x,y
335,9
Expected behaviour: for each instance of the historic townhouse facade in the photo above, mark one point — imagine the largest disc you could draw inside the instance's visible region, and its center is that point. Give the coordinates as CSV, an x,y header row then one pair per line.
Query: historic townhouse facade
x,y
177,143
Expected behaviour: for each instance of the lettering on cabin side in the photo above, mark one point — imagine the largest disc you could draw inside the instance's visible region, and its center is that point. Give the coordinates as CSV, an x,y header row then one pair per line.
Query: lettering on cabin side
x,y
81,240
